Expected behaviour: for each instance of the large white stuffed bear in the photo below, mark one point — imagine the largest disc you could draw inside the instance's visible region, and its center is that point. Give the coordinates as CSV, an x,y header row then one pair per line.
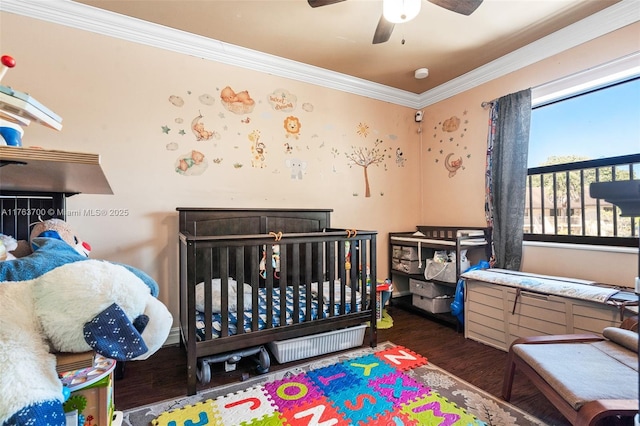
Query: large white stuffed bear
x,y
73,304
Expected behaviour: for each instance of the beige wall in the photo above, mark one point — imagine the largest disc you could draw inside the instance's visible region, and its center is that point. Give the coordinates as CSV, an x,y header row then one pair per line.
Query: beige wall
x,y
462,196
114,98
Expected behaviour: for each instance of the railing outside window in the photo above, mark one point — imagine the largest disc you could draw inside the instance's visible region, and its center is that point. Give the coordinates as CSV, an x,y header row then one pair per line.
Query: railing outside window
x,y
558,207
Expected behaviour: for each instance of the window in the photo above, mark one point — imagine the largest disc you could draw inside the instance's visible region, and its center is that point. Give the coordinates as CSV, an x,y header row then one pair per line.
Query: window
x,y
583,133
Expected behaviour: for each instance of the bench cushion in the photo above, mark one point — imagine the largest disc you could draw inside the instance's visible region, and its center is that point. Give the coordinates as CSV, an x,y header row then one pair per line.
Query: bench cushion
x,y
583,372
626,338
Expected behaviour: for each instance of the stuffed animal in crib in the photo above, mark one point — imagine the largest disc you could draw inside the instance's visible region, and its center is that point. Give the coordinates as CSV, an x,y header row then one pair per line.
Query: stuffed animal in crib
x,y
58,228
57,300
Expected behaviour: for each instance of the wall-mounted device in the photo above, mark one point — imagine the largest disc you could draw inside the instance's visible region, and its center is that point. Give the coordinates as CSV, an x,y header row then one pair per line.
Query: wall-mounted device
x,y
418,116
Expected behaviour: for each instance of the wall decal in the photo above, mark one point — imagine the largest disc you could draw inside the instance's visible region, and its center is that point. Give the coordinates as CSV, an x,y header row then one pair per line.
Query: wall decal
x,y
452,165
451,124
197,127
297,167
258,150
180,120
166,130
172,146
363,130
400,160
207,99
288,148
449,133
307,107
176,100
292,125
191,164
365,157
282,100
238,103
217,160
246,120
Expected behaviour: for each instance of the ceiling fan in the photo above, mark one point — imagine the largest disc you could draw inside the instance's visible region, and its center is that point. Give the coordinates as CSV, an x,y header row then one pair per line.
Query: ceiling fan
x,y
385,27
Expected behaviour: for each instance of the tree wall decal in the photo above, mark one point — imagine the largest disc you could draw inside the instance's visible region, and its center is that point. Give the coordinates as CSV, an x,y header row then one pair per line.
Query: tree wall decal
x,y
365,157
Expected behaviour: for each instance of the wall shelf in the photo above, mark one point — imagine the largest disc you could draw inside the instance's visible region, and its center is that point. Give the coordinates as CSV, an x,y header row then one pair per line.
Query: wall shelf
x,y
45,171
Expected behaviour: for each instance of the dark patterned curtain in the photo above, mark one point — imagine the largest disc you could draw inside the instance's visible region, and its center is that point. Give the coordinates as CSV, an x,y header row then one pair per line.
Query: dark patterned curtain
x,y
507,149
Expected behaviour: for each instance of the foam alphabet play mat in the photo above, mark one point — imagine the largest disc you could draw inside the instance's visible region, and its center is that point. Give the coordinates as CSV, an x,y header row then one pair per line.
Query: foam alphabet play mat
x,y
368,390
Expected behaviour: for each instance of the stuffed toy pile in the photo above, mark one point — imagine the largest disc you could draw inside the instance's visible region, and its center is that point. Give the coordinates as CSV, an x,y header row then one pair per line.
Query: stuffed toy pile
x,y
58,300
58,228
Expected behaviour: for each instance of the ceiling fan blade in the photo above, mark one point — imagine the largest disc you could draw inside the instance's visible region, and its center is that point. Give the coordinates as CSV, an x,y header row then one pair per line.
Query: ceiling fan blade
x,y
318,3
464,7
383,31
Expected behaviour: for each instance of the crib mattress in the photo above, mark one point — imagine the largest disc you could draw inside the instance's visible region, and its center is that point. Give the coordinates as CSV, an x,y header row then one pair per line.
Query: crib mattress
x,y
262,313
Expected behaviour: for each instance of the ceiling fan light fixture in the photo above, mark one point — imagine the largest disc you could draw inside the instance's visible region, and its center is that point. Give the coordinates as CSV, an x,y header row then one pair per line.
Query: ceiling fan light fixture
x,y
399,11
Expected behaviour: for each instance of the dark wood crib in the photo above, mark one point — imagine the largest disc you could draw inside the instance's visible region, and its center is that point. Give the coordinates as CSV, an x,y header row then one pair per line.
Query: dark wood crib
x,y
252,257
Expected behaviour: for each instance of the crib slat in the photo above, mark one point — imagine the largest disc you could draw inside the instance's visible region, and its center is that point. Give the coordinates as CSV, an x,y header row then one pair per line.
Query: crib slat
x,y
332,277
269,285
283,275
295,269
224,290
307,280
255,278
206,259
320,272
240,280
342,276
284,272
363,284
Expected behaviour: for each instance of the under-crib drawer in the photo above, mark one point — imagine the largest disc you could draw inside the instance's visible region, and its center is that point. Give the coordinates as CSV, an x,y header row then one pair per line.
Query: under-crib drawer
x,y
317,344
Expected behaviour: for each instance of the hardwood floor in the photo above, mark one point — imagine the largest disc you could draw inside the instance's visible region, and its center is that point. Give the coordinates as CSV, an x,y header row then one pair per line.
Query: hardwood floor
x,y
163,376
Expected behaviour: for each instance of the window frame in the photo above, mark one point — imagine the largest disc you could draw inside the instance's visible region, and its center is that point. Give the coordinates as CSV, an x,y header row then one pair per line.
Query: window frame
x,y
600,77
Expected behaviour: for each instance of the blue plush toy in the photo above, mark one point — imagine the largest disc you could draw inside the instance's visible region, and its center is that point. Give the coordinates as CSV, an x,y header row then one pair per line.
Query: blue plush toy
x,y
457,306
56,300
10,133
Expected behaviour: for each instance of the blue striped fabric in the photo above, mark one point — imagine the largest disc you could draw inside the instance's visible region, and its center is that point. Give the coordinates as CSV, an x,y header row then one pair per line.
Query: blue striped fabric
x,y
262,309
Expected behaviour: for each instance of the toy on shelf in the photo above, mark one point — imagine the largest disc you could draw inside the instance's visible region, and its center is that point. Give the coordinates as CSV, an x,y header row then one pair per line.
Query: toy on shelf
x,y
18,109
6,62
10,124
10,130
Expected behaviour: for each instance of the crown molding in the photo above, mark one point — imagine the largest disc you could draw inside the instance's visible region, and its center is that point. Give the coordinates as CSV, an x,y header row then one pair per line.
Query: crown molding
x,y
88,18
610,19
